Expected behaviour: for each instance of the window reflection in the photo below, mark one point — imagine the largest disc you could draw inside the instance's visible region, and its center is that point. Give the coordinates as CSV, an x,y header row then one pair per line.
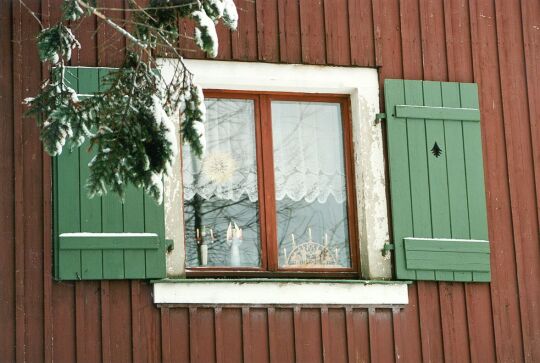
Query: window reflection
x,y
220,189
309,170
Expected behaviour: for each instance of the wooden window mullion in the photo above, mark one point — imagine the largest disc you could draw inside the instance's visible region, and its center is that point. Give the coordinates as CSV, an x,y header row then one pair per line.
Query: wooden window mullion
x,y
268,182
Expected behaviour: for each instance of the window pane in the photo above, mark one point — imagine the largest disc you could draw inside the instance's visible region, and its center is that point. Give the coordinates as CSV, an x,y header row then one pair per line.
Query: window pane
x,y
220,189
311,199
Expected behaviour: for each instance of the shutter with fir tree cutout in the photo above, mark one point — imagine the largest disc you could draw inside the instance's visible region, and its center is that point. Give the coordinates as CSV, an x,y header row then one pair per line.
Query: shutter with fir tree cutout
x,y
102,237
439,222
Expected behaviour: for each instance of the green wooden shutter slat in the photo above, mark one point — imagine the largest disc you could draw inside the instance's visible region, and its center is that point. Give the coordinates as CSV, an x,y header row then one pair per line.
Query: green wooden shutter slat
x,y
475,174
438,179
437,113
113,221
450,261
448,245
134,222
91,260
456,172
399,176
418,164
119,241
443,190
94,254
155,222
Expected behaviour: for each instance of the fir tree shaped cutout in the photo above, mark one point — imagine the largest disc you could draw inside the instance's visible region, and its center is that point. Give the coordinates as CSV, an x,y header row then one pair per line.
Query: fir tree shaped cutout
x,y
436,150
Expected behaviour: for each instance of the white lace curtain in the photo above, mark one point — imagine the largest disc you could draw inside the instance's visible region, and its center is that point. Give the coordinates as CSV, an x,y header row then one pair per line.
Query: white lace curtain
x,y
308,152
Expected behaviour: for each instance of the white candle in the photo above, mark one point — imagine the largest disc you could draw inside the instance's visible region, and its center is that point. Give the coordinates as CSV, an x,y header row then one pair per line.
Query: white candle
x,y
285,254
229,232
293,242
337,254
198,234
212,234
309,233
325,239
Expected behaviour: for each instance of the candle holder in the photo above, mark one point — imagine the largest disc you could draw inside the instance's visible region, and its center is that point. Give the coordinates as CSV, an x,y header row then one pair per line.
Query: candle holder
x,y
202,245
234,240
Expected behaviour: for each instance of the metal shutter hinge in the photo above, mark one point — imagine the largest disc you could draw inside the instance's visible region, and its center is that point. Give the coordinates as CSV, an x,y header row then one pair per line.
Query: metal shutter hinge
x,y
388,247
379,117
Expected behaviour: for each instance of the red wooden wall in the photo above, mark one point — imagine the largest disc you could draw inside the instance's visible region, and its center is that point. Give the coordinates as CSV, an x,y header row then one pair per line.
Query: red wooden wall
x,y
495,43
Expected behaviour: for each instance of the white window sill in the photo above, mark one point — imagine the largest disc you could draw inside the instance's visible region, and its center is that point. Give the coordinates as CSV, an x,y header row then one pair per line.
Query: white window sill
x,y
280,292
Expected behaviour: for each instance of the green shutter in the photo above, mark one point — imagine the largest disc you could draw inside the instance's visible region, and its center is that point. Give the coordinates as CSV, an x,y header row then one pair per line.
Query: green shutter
x,y
101,237
436,181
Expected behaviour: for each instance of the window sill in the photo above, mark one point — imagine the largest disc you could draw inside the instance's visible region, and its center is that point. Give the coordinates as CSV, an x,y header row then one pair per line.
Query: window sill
x,y
281,292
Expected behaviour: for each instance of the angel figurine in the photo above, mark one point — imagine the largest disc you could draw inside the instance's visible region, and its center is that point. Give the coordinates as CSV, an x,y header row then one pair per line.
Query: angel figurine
x,y
234,240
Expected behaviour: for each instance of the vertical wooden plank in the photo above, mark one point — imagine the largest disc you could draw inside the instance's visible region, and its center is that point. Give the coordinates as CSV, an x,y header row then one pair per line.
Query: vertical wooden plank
x,y
259,334
312,31
407,338
31,203
111,44
418,170
411,39
232,333
202,337
244,39
7,178
290,48
504,291
179,334
381,343
437,172
400,187
361,31
68,213
458,41
218,324
88,83
246,335
267,30
388,52
112,221
134,260
309,341
433,41
120,321
455,158
336,24
430,321
454,322
154,222
166,335
531,44
146,324
337,332
358,335
472,146
325,335
224,41
281,334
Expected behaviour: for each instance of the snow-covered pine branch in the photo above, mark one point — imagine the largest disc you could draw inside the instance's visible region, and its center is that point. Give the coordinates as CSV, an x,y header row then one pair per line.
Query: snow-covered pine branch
x,y
128,125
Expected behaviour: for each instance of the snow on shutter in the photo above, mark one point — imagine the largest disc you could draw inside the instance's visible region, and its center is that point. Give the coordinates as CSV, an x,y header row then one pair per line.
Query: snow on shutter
x,y
436,181
102,238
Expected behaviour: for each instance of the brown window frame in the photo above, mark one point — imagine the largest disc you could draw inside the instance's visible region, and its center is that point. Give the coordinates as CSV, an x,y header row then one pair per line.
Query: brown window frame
x,y
267,204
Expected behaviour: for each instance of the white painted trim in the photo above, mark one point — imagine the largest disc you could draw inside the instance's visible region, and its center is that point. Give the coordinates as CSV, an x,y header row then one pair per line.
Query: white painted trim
x,y
363,87
281,293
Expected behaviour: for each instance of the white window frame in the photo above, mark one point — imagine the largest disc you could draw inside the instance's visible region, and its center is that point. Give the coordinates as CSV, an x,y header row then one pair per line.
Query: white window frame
x,y
362,86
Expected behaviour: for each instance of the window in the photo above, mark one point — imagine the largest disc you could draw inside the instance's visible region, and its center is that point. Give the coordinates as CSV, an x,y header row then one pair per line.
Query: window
x,y
278,89
274,190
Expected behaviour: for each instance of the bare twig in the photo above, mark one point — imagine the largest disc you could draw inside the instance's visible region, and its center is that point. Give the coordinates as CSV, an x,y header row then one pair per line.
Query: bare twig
x,y
31,13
